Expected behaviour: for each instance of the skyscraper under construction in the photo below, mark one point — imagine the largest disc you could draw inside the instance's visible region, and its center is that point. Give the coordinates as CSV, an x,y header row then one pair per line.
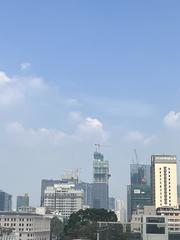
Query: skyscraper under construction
x,y
100,189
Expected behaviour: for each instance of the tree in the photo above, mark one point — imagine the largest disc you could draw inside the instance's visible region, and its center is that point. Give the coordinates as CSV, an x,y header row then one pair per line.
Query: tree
x,y
56,229
83,224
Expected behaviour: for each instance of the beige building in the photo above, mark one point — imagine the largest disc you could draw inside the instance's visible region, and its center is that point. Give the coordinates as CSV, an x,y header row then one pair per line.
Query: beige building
x,y
164,181
26,226
173,216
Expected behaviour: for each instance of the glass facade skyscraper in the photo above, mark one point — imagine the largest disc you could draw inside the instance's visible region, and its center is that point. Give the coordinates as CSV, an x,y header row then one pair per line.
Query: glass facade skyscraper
x,y
139,191
100,190
5,201
22,201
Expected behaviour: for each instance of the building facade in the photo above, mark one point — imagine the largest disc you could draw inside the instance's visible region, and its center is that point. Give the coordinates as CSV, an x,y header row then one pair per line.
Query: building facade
x,y
164,181
173,216
120,210
26,226
5,201
44,184
139,191
22,201
100,189
63,197
112,203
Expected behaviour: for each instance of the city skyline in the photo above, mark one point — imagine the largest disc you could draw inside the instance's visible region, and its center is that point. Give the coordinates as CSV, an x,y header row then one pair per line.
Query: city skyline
x,y
78,73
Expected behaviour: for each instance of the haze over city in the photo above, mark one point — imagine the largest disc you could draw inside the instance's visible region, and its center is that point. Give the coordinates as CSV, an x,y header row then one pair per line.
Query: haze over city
x,y
77,73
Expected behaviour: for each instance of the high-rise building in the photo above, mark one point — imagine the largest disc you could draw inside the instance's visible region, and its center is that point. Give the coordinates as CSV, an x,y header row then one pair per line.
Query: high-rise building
x,y
120,210
100,190
87,189
44,184
139,191
164,180
5,201
63,197
22,201
112,202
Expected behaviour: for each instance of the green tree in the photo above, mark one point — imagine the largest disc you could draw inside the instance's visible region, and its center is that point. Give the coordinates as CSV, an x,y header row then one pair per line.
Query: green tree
x,y
83,224
56,229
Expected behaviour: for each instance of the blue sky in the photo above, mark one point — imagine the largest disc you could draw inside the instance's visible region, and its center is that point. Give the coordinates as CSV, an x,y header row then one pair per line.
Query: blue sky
x,y
73,73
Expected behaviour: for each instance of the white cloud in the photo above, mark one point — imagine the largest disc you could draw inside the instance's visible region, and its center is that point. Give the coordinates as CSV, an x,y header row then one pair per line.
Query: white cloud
x,y
15,89
139,137
89,128
4,78
25,66
172,119
93,127
33,136
90,124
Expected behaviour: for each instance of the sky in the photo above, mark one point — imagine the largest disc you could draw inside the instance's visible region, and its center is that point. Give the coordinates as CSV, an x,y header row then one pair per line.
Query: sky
x,y
76,73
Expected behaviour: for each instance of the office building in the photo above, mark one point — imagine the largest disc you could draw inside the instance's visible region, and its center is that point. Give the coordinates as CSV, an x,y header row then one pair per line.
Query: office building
x,y
100,190
139,191
22,201
63,197
87,189
26,226
112,201
164,181
5,201
44,184
120,210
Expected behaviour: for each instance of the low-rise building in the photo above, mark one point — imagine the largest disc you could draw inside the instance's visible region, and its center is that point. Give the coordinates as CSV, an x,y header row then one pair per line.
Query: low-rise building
x,y
154,228
137,217
173,216
26,226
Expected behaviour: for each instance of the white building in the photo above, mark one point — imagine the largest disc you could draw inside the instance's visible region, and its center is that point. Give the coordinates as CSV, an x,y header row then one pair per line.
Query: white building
x,y
64,198
26,226
120,210
164,180
154,228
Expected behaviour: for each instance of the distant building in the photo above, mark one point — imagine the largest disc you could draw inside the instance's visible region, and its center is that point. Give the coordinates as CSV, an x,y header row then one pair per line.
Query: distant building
x,y
22,201
5,201
63,197
44,184
164,181
87,189
120,210
27,209
100,190
139,191
112,201
26,226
